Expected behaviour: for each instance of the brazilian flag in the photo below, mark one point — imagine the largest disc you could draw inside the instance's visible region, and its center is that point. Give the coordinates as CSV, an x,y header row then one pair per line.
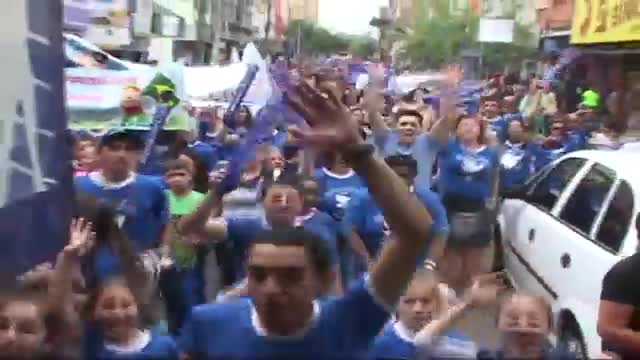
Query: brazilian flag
x,y
162,90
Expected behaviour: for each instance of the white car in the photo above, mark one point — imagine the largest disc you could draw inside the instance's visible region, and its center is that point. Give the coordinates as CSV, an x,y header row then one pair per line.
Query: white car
x,y
565,229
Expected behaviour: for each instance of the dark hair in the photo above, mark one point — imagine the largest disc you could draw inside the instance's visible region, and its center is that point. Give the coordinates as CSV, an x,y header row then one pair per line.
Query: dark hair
x,y
249,121
177,164
107,234
53,321
481,124
201,175
409,112
286,179
402,161
314,246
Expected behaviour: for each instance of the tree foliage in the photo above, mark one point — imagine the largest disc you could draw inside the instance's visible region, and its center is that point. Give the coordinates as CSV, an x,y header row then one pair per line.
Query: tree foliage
x,y
440,38
362,46
315,40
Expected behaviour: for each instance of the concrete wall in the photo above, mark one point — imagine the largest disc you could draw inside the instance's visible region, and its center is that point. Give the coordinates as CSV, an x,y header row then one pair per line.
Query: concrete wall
x,y
554,15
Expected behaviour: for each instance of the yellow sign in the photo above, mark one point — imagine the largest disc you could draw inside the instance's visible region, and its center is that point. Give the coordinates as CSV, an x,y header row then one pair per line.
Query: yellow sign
x,y
605,21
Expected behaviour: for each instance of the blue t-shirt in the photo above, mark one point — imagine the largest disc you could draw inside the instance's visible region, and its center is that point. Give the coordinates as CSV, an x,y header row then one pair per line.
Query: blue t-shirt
x,y
141,205
500,126
391,345
365,216
240,232
159,347
467,173
550,354
337,191
327,228
423,150
577,140
343,328
542,157
516,164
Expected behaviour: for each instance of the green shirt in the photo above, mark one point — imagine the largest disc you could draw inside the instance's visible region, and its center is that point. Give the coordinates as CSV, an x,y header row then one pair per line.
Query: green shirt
x,y
183,253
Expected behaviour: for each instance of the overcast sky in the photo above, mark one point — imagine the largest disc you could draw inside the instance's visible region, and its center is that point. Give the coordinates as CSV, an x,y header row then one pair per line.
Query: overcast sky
x,y
349,16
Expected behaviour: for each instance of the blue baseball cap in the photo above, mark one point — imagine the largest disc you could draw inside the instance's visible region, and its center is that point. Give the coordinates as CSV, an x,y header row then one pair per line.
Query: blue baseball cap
x,y
121,134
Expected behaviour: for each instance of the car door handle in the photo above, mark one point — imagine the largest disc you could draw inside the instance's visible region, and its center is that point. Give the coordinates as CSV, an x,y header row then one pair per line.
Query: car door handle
x,y
532,235
565,261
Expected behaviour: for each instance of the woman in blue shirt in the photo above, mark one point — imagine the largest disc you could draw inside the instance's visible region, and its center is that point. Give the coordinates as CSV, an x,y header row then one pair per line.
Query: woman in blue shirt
x,y
468,170
516,159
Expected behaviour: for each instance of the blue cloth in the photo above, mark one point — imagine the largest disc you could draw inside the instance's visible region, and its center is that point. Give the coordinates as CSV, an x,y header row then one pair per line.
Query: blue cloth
x,y
104,264
240,232
423,150
577,140
280,139
467,173
143,204
206,153
542,157
182,289
328,229
389,345
550,354
337,191
516,164
343,329
500,125
365,216
160,347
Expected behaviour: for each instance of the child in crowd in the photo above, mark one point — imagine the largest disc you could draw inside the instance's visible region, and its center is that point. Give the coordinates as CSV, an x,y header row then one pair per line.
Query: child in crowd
x,y
85,155
525,323
115,311
183,284
27,325
424,315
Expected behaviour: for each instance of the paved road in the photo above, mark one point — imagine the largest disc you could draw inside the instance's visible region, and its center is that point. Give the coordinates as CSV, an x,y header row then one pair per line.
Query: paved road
x,y
480,324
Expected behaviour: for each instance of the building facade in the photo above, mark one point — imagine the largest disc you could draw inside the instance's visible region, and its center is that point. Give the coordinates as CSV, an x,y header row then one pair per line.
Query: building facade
x,y
303,10
146,30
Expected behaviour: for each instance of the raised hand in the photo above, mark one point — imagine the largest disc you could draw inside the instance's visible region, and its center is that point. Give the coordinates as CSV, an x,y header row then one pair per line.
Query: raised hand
x,y
331,124
80,238
37,276
486,289
453,75
225,179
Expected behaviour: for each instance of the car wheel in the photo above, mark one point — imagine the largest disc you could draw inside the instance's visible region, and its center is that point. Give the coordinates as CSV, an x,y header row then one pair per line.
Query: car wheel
x,y
571,339
497,263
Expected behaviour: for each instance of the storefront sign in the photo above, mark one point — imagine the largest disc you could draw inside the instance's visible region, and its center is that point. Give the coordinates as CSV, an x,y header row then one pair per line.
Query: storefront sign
x,y
605,21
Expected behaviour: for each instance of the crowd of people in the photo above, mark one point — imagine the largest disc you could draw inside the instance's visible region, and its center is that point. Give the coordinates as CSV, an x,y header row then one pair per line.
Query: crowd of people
x,y
359,234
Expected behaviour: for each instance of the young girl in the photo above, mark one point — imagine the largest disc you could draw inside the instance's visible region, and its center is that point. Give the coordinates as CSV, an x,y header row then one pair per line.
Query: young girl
x,y
424,315
36,320
26,326
116,314
525,323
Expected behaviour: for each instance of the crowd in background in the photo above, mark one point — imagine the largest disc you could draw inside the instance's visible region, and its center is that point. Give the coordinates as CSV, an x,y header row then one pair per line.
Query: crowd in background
x,y
359,235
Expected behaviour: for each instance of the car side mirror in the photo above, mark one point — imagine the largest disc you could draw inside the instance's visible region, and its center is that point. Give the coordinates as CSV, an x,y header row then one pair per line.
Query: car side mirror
x,y
518,193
